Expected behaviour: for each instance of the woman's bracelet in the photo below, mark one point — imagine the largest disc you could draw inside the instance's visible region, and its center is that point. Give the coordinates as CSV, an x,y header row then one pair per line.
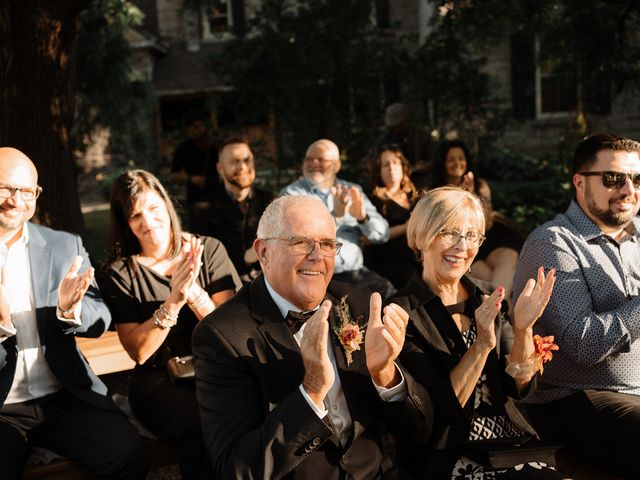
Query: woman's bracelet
x,y
201,301
164,319
168,314
520,370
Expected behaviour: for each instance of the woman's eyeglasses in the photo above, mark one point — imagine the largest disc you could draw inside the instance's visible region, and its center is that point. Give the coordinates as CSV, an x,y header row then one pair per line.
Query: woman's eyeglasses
x,y
453,236
615,179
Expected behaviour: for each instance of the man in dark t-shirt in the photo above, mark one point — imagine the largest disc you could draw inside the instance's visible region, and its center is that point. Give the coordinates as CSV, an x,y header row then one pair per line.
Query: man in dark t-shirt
x,y
234,211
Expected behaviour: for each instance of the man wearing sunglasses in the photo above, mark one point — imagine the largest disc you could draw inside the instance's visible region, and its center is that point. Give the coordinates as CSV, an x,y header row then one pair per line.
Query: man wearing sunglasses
x,y
283,390
589,395
48,394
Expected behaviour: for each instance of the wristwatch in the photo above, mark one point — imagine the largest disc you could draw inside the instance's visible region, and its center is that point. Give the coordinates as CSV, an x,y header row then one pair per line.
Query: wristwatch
x,y
364,220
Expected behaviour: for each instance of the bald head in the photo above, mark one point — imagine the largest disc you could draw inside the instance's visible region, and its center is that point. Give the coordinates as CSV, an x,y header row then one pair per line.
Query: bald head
x,y
13,159
327,146
19,176
321,163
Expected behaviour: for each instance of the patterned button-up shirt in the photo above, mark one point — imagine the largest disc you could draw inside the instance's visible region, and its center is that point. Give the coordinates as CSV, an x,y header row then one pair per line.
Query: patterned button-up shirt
x,y
376,229
594,312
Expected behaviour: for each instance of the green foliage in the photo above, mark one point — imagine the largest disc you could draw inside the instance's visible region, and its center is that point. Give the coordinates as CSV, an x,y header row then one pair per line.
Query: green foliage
x,y
320,67
323,68
592,42
531,191
109,94
448,73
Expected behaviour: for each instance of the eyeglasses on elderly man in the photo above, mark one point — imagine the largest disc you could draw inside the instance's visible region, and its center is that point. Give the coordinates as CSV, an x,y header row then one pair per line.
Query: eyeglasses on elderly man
x,y
305,245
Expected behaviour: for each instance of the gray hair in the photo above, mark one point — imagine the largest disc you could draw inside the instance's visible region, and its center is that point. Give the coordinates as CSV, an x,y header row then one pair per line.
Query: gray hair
x,y
272,221
438,208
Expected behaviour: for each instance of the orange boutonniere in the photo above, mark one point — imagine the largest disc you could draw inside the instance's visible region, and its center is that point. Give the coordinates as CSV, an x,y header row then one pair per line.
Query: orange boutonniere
x,y
544,348
348,331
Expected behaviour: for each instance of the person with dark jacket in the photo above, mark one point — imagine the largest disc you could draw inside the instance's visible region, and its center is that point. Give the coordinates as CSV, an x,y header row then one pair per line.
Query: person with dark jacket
x,y
234,209
286,387
459,343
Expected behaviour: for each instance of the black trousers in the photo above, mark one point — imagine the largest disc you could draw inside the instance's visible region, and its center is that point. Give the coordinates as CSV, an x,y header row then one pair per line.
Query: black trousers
x,y
103,441
171,413
601,426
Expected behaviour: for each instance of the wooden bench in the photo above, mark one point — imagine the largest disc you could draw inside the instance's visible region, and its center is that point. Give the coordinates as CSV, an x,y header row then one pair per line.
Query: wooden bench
x,y
105,354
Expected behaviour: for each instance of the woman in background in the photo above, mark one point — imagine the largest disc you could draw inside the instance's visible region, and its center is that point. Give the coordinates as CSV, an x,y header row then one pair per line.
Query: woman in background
x,y
393,196
497,258
160,282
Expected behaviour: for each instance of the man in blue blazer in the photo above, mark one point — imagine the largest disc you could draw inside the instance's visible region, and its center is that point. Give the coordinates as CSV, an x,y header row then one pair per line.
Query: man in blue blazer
x,y
48,393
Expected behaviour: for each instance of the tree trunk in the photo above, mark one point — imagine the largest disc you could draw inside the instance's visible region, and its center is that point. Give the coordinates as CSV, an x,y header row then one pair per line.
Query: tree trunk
x,y
37,50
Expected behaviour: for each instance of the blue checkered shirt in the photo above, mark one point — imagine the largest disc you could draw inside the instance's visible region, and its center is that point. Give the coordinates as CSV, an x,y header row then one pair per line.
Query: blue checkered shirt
x,y
594,312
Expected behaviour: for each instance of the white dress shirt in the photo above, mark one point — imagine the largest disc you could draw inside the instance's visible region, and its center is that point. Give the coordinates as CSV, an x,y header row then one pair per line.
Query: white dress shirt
x,y
335,403
33,378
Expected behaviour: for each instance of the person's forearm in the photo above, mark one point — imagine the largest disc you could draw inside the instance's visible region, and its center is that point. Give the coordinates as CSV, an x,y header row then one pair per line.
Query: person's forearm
x,y
397,231
522,353
466,373
142,340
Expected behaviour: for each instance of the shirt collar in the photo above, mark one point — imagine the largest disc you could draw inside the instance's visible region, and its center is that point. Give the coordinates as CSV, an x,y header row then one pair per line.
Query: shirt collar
x,y
282,303
419,288
589,230
24,240
322,191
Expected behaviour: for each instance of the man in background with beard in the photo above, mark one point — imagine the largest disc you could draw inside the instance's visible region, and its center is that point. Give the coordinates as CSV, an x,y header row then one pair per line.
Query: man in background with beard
x,y
234,211
589,396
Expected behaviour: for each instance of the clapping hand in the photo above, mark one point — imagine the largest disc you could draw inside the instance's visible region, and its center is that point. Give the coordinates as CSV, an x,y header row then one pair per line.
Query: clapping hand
x,y
186,272
318,370
357,209
485,316
468,183
193,251
348,200
384,340
74,285
341,200
533,300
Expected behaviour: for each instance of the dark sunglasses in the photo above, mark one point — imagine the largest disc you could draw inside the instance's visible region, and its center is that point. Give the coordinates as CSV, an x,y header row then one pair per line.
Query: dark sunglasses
x,y
615,179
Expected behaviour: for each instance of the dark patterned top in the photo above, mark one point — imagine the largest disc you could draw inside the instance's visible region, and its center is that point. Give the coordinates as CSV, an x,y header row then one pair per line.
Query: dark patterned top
x,y
594,312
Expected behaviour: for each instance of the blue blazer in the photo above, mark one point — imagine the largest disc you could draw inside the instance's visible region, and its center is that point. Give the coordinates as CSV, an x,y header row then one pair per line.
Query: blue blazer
x,y
50,255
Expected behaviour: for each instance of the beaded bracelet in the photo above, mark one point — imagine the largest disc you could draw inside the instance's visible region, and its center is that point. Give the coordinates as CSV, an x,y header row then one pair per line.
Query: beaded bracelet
x,y
166,321
520,370
168,314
